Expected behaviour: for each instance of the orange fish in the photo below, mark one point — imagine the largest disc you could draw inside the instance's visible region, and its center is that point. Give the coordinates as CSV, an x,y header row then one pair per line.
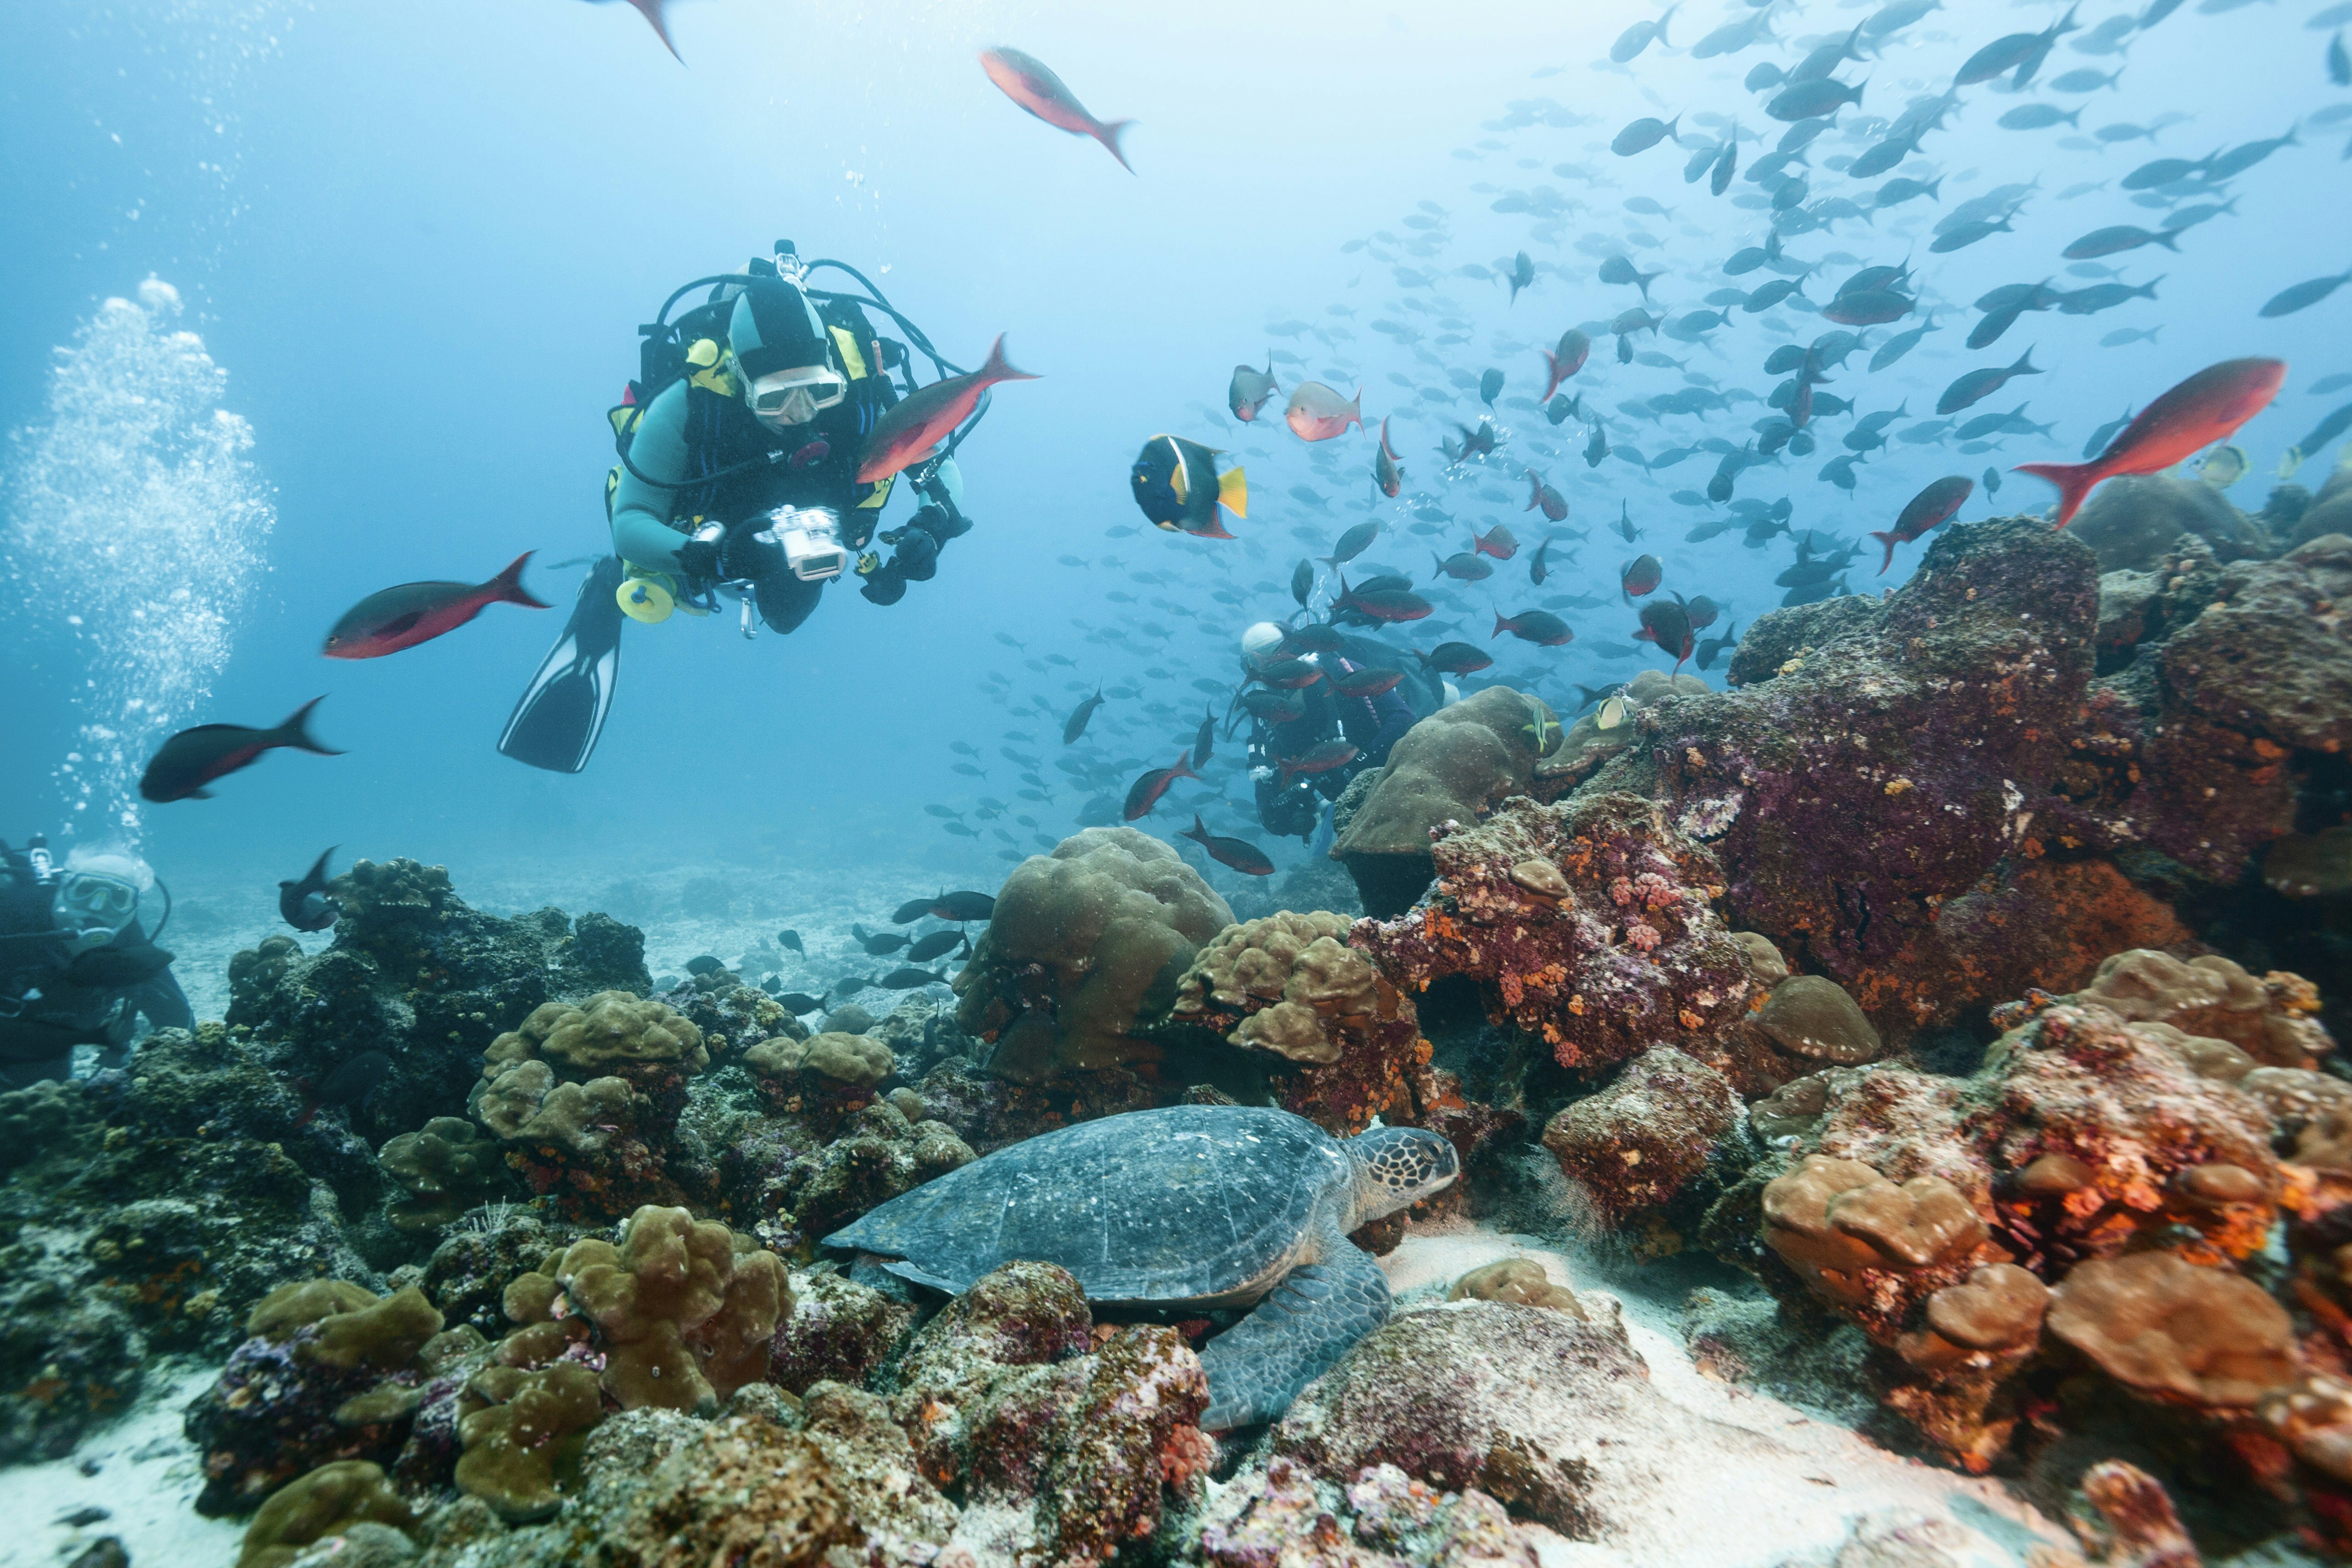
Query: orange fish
x,y
2207,407
1027,81
1317,413
1558,366
911,429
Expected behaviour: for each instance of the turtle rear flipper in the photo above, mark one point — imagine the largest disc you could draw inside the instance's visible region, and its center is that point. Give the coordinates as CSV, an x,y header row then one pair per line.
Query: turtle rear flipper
x,y
1293,1335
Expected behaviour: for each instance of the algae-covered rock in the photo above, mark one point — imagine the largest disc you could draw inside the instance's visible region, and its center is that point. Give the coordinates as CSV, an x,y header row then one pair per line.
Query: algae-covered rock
x,y
1632,1147
2131,521
1085,944
325,1502
1455,765
1589,924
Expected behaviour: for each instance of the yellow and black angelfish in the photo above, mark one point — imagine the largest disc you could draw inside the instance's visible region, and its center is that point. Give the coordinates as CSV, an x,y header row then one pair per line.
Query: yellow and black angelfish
x,y
1179,488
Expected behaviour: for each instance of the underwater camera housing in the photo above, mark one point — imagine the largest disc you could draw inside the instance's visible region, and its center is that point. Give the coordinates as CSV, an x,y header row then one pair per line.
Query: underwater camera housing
x,y
810,537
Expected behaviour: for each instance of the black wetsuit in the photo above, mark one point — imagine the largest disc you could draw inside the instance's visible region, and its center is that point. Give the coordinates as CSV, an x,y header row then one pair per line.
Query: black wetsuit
x,y
1372,724
44,1013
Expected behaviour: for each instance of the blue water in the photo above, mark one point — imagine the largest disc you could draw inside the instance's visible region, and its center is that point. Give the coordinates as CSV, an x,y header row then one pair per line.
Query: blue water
x,y
417,239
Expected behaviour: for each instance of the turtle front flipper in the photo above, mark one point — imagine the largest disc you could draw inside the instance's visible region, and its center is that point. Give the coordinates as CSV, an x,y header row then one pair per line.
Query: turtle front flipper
x,y
1293,1336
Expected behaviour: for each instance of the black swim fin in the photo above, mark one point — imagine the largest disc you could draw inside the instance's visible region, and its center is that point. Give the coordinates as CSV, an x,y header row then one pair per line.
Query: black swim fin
x,y
562,710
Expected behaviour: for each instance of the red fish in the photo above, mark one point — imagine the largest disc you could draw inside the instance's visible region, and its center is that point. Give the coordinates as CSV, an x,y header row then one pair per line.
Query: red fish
x,y
2207,407
1667,623
1540,627
1239,853
1499,541
1564,362
1366,682
1145,793
1331,755
1554,504
1386,473
1315,413
1290,674
1930,508
413,612
192,759
1027,81
1640,575
909,431
1384,603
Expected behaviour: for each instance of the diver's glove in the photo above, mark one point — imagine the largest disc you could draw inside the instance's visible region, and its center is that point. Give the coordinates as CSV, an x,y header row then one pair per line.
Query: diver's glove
x,y
699,558
915,555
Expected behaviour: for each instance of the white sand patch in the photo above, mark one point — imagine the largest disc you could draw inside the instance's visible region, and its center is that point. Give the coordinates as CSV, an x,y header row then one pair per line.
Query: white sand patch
x,y
145,1476
1744,1505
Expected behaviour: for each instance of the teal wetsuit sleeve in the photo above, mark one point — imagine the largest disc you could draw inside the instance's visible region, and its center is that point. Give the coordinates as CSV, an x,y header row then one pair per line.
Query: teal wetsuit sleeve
x,y
641,529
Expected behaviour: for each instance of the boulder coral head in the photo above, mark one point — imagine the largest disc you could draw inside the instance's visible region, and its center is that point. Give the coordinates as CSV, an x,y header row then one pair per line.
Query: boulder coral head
x,y
1588,924
1084,944
1455,765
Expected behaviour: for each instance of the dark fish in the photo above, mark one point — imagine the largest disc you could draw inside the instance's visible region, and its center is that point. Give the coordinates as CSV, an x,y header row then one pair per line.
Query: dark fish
x,y
194,758
1967,234
1302,581
1498,542
1869,307
1477,443
1539,567
1250,390
1702,612
800,1003
1027,81
1523,274
1388,474
2302,296
2207,407
1456,658
705,964
1145,792
1624,526
930,947
2116,238
881,944
1812,99
1712,647
1204,740
1290,674
850,985
1316,636
1977,384
353,1079
2021,51
413,612
909,979
1640,575
1275,707
1637,37
1075,724
1564,362
1238,852
1666,624
304,905
1490,385
1462,566
1644,134
651,10
963,906
1930,509
912,910
1539,627
791,939
1323,758
1352,543
1177,486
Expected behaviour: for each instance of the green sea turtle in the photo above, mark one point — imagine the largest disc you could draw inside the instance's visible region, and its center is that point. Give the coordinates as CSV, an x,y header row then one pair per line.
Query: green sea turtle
x,y
1193,1206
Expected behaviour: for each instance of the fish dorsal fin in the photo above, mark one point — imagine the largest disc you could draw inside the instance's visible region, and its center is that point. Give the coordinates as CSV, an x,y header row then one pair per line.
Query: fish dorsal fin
x,y
1232,491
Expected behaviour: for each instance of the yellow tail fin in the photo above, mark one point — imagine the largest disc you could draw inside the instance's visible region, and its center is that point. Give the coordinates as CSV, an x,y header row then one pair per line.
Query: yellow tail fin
x,y
1233,491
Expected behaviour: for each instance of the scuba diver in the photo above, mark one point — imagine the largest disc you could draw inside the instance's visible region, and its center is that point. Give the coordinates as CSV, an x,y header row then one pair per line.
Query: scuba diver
x,y
1293,804
76,966
738,479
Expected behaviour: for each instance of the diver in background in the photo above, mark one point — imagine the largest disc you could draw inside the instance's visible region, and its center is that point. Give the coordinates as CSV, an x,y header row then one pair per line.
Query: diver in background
x,y
738,451
1293,807
76,966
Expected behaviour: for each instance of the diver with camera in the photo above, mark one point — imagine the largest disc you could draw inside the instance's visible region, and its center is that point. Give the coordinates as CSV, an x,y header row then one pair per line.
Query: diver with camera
x,y
738,482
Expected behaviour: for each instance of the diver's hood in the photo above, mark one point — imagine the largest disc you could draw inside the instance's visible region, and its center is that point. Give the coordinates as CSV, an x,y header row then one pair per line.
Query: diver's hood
x,y
775,328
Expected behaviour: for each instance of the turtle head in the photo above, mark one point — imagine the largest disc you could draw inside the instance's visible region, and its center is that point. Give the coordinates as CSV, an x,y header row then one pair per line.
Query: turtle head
x,y
1397,1167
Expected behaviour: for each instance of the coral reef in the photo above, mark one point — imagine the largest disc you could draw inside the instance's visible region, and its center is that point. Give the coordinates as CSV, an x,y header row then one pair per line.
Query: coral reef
x,y
1343,1042
585,1099
804,1191
1587,923
2131,522
446,1167
1635,1145
1085,944
331,1500
1285,1514
1455,765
